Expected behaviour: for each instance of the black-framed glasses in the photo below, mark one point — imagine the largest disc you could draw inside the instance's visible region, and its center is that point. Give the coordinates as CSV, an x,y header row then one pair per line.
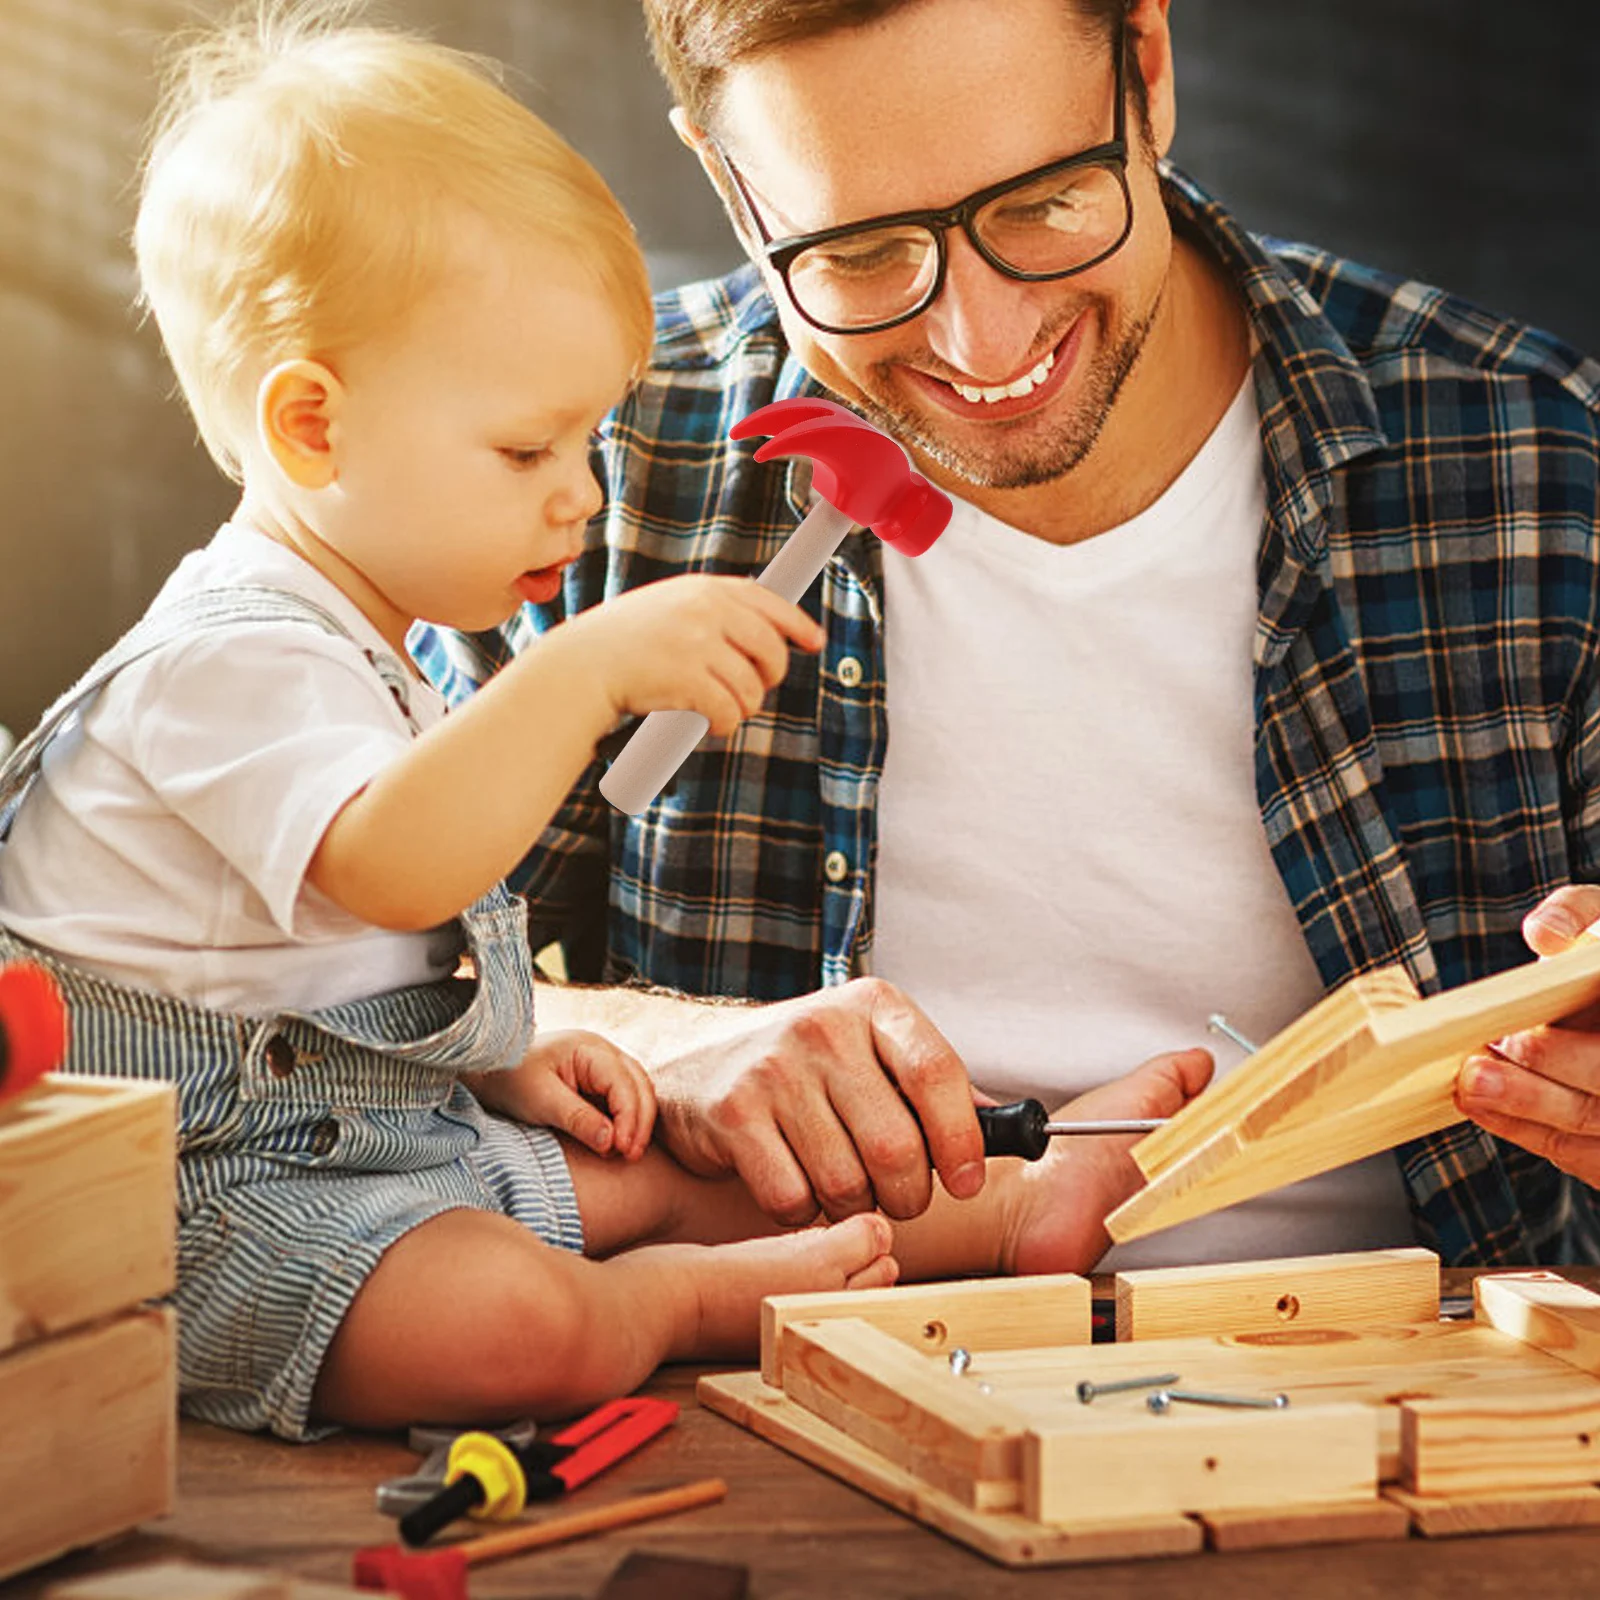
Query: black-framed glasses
x,y
1049,222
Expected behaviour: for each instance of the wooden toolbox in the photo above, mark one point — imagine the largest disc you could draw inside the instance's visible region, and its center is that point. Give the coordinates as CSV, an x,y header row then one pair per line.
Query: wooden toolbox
x,y
87,1373
1396,1421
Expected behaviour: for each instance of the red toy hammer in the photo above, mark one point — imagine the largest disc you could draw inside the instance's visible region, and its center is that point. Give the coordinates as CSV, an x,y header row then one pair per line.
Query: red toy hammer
x,y
862,476
441,1574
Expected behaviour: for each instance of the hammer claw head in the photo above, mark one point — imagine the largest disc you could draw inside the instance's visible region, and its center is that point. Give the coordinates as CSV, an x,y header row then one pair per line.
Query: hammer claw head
x,y
783,414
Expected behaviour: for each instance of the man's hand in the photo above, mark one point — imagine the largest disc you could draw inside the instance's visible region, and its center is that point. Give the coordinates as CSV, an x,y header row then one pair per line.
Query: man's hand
x,y
561,1083
1541,1089
817,1106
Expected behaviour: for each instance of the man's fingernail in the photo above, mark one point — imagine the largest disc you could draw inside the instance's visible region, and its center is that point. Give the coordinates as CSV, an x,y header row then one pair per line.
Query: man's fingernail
x,y
1483,1082
1560,920
966,1181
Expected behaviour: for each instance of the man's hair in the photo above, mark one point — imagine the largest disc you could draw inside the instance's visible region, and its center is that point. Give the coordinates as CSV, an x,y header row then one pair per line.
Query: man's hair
x,y
304,178
697,42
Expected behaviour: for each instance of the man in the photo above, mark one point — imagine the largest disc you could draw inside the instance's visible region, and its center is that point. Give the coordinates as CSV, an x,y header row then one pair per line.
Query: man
x,y
1261,650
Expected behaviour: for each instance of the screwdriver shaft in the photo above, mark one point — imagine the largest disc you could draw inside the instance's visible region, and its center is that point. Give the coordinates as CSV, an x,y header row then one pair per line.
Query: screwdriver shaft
x,y
1130,1125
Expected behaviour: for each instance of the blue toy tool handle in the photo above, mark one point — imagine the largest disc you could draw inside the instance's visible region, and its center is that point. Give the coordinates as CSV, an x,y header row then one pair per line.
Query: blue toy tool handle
x,y
662,742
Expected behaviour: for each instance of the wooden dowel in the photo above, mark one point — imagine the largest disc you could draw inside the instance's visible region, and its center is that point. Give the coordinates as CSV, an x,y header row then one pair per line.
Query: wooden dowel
x,y
555,1529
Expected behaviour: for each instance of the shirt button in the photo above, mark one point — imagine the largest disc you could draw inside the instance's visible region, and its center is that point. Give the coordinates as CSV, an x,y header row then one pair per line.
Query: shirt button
x,y
280,1056
325,1136
849,672
836,867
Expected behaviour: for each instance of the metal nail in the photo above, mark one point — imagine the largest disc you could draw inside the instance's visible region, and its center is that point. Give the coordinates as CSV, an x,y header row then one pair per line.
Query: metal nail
x,y
1161,1400
1087,1391
1218,1023
960,1360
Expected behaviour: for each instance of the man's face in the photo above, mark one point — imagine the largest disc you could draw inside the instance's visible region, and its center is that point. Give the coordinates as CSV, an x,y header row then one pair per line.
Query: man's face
x,y
920,110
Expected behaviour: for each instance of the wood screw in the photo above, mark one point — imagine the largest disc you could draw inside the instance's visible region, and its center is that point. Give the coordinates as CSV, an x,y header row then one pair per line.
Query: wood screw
x,y
1087,1391
1161,1400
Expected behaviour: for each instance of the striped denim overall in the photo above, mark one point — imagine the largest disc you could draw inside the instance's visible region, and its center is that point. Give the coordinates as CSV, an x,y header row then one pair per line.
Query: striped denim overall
x,y
308,1141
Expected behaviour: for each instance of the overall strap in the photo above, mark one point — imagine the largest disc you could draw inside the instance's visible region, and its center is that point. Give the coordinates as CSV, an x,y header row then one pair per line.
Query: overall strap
x,y
194,613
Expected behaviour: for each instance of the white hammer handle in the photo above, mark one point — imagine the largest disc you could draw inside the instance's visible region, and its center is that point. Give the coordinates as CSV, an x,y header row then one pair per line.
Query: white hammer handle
x,y
664,739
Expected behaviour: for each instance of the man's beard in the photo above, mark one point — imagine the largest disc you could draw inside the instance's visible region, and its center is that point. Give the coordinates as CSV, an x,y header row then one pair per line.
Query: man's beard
x,y
1038,459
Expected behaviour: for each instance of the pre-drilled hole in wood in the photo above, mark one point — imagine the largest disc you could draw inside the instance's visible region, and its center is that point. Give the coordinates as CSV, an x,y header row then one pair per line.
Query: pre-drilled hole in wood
x,y
1211,1463
935,1333
1288,1308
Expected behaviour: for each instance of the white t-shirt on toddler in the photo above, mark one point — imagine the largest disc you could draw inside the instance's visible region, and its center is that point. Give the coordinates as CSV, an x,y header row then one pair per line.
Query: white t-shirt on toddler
x,y
166,840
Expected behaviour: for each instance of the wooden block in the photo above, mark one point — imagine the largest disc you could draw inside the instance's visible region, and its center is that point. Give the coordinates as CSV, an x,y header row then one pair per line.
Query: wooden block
x,y
174,1580
184,1580
1275,1528
1196,1459
91,1435
1545,1310
925,1419
1443,1516
935,1318
1005,1537
1497,1443
1364,1289
88,1207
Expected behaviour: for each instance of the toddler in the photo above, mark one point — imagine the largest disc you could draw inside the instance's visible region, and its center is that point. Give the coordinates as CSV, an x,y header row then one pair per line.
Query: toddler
x,y
264,865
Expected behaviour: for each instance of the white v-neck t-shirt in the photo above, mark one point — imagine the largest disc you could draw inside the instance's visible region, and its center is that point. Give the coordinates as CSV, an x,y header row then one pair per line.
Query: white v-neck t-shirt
x,y
1072,873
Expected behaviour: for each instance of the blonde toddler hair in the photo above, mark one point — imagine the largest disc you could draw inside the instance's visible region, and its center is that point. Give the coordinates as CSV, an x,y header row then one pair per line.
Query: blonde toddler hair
x,y
303,178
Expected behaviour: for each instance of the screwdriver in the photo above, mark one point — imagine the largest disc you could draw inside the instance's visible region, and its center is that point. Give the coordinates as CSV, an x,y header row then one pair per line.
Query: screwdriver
x,y
1024,1128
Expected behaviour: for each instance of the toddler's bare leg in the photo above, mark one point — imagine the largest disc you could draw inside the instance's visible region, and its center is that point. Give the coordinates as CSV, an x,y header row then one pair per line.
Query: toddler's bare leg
x,y
471,1318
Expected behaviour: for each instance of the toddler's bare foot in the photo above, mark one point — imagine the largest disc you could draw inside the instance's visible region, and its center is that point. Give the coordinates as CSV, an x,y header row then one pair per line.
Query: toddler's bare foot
x,y
1055,1209
732,1279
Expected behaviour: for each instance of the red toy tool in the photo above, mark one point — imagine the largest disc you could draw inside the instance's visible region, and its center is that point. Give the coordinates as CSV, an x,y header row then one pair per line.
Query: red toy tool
x,y
487,1477
862,476
442,1574
33,1027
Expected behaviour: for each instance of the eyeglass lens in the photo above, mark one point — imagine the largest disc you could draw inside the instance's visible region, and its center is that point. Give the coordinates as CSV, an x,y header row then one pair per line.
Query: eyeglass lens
x,y
1052,226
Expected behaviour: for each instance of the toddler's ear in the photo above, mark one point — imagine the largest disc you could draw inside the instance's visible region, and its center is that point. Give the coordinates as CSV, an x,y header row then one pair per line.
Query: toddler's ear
x,y
297,406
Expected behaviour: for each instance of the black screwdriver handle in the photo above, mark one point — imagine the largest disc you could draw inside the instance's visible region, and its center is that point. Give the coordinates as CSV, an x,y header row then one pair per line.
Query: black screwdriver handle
x,y
1017,1129
454,1500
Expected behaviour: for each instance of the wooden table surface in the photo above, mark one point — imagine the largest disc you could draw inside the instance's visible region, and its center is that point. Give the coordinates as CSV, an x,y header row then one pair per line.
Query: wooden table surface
x,y
304,1509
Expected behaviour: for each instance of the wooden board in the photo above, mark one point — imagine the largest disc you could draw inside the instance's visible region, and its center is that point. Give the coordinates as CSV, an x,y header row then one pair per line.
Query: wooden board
x,y
88,1173
91,1435
1493,1442
1362,1071
1448,1516
939,1317
185,1580
1005,1537
1357,1290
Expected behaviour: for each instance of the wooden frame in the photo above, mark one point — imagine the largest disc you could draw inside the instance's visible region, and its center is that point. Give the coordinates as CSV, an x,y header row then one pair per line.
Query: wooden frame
x,y
1368,1068
1378,1439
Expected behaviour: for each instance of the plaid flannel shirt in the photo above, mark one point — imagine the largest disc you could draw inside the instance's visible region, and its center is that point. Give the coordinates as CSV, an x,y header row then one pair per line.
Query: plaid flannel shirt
x,y
1427,708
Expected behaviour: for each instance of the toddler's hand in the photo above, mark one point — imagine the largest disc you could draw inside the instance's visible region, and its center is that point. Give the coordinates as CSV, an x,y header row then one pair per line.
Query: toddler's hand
x,y
557,1082
709,644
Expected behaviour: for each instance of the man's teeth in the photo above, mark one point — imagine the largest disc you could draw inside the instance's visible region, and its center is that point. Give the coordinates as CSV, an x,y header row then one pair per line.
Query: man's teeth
x,y
1014,390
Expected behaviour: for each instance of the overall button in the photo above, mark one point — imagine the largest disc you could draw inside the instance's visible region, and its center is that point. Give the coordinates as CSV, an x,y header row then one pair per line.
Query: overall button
x,y
836,866
325,1136
850,672
280,1056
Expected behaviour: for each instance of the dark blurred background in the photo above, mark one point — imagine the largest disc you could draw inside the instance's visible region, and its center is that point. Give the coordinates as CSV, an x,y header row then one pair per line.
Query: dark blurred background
x,y
1452,140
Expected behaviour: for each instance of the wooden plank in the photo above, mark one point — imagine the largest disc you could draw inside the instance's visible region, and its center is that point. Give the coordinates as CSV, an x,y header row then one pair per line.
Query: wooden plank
x,y
1445,1516
1545,1310
1333,1291
1335,1030
884,1395
1346,1095
185,1580
1276,1528
76,1153
91,1435
1498,1443
935,1318
1196,1459
1004,1537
